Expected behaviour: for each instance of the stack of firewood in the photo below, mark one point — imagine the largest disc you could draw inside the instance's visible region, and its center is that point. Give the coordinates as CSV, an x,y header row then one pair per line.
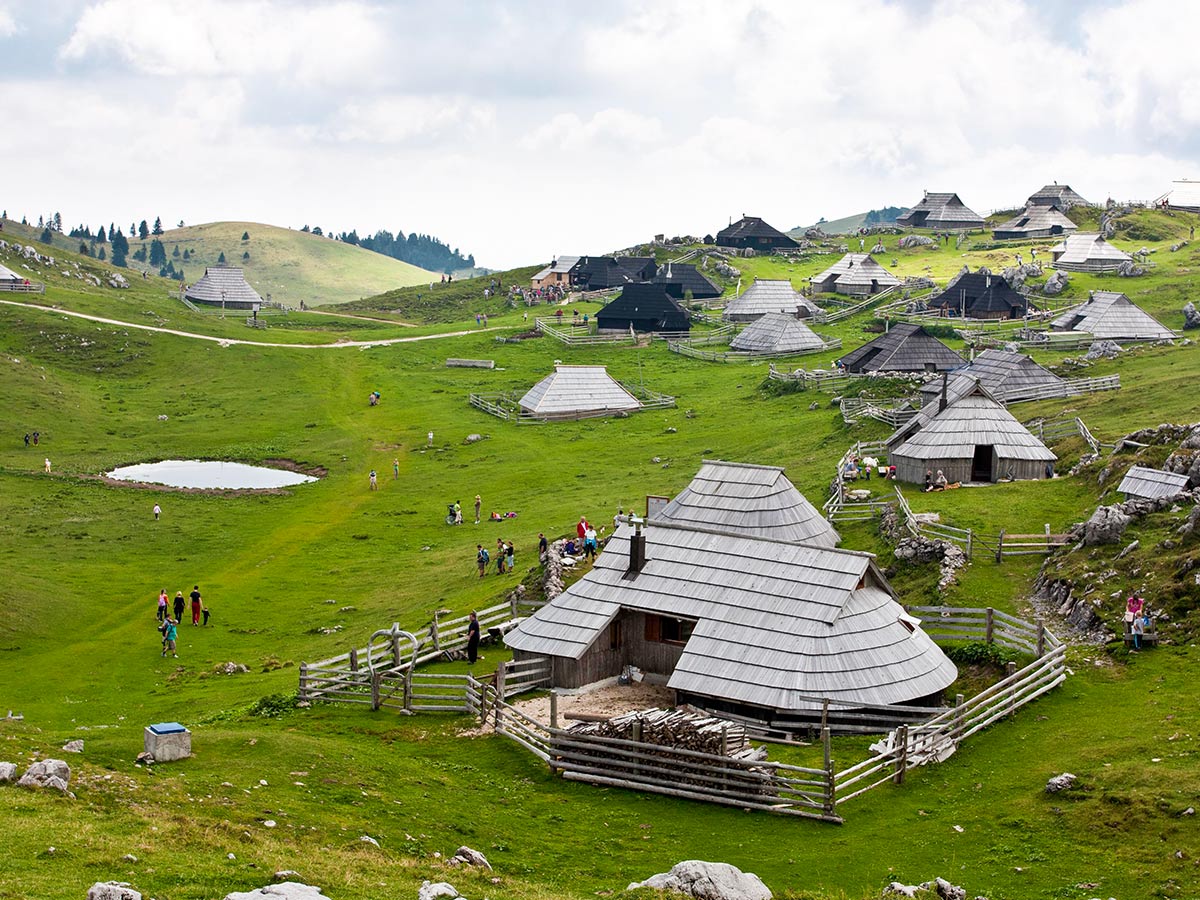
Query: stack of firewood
x,y
677,730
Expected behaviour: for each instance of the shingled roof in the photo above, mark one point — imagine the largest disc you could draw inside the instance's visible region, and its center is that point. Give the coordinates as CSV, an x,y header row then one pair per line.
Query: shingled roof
x,y
1035,220
982,295
768,296
1006,375
777,625
751,231
645,307
680,279
1087,252
227,281
601,272
757,501
1113,316
573,392
904,348
855,273
940,211
1184,194
777,333
1059,195
1152,484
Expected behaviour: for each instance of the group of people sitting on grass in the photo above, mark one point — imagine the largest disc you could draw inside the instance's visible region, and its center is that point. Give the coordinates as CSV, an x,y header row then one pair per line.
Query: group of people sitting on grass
x,y
862,467
938,482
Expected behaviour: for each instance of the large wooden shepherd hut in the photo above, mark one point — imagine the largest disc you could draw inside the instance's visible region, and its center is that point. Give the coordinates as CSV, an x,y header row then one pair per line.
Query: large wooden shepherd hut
x,y
1183,195
577,392
980,295
224,286
744,625
855,274
778,333
1007,376
752,233
1111,315
903,348
598,273
757,501
940,211
769,295
1035,221
683,281
1059,195
644,308
971,437
1087,252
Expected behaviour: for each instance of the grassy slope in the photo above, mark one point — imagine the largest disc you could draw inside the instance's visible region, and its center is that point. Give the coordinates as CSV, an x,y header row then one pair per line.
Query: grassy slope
x,y
289,265
844,225
85,561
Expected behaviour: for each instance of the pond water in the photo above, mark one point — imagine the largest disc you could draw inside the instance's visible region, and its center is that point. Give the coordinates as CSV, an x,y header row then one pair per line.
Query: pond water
x,y
197,473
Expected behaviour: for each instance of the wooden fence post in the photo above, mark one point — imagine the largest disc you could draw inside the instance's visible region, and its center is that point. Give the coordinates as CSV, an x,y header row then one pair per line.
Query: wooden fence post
x,y
434,635
901,751
500,691
970,542
498,709
408,688
1048,547
830,798
1010,670
396,660
1041,638
991,623
353,660
375,676
303,681
636,736
553,709
958,717
513,604
1000,547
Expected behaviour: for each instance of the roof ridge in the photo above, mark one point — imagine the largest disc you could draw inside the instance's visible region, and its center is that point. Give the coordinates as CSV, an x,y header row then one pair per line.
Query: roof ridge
x,y
699,529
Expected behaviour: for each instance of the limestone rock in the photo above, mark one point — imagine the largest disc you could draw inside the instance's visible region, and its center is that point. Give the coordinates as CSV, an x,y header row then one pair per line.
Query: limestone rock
x,y
1062,782
1103,350
708,881
112,890
1191,318
8,772
73,747
285,875
117,280
231,668
474,438
1106,526
472,858
1056,283
1127,269
915,240
432,890
49,773
286,890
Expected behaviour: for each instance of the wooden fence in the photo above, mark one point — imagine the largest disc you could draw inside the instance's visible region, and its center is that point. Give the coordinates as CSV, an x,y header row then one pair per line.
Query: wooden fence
x,y
580,335
1049,431
1025,544
690,348
23,287
936,531
894,411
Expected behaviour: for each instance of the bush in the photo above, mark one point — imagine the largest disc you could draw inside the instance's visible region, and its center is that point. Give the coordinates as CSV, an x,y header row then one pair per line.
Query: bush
x,y
981,653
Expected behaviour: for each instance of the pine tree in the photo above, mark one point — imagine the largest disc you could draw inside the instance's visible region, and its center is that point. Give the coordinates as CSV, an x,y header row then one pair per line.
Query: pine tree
x,y
158,253
221,259
245,235
83,248
246,256
306,229
187,254
101,237
175,252
101,254
158,229
143,230
120,247
46,237
317,231
58,222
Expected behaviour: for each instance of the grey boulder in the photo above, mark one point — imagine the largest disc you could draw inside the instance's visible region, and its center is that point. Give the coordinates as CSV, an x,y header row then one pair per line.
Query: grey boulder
x,y
1191,318
112,890
708,881
1106,526
287,890
433,890
49,773
8,772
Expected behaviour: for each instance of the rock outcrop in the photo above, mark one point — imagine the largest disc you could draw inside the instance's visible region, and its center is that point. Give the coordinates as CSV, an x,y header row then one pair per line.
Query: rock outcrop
x,y
112,890
707,881
1056,283
48,773
285,890
1191,318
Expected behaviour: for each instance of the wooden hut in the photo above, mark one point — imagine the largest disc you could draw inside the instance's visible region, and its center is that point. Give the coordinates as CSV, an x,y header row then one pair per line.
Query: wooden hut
x,y
969,438
1110,315
644,308
745,625
778,333
980,295
903,348
224,286
557,273
682,281
941,212
599,273
1183,195
1007,376
855,274
769,295
577,392
1059,195
1087,252
1142,483
756,501
1035,221
752,233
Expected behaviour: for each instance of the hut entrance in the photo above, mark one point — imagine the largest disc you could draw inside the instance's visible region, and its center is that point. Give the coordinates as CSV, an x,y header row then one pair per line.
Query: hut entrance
x,y
981,466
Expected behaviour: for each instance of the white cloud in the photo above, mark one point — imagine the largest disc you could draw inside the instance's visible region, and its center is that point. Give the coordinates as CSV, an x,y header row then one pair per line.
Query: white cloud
x,y
334,43
611,128
8,25
397,119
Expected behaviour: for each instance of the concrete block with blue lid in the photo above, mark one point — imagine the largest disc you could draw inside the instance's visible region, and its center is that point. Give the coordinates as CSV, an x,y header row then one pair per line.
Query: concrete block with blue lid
x,y
168,741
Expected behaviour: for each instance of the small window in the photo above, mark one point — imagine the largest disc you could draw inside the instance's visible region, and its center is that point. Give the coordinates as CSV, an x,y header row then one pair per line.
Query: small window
x,y
614,635
668,630
907,624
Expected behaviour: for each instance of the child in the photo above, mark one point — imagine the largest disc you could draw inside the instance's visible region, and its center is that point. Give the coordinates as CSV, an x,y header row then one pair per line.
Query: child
x,y
1138,629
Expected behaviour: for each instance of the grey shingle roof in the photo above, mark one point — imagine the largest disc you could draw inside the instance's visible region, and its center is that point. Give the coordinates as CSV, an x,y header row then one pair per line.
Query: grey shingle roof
x,y
562,265
777,333
1059,195
1006,375
982,295
223,279
759,501
574,391
1087,252
904,348
777,624
1112,315
1035,221
1152,484
1184,194
940,211
857,269
768,296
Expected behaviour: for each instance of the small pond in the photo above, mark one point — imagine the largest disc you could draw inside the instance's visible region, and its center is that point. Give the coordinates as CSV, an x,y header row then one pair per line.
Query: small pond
x,y
209,474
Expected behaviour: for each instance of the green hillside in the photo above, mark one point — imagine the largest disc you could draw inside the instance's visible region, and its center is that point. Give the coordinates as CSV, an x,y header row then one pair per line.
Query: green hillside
x,y
844,225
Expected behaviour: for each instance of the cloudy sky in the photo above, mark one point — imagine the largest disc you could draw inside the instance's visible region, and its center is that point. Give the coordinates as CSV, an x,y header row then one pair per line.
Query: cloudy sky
x,y
519,130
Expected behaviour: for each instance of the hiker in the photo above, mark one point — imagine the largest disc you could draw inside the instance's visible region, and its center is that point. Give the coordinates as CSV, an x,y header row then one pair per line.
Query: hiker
x,y
581,528
169,633
472,638
179,604
430,437
395,469
157,513
1138,628
162,606
374,481
27,439
47,464
196,605
37,436
543,545
457,513
481,559
510,557
589,542
501,556
478,503
618,517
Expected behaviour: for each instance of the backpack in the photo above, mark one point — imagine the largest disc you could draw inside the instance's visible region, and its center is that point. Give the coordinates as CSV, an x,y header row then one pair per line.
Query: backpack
x,y
483,556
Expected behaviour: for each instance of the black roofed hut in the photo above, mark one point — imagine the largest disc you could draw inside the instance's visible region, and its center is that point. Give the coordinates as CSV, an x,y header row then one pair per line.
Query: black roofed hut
x,y
645,308
752,233
680,280
980,295
598,273
904,348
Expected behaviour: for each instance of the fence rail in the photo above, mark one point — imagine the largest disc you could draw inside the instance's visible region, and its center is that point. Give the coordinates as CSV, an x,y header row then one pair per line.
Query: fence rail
x,y
937,531
580,335
23,287
690,348
862,306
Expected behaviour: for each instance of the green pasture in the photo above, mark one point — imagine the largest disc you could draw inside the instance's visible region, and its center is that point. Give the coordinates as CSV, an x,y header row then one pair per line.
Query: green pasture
x,y
84,560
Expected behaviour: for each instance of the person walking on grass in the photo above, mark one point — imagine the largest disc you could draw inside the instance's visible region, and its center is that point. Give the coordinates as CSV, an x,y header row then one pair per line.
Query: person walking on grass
x,y
197,605
395,469
374,481
481,559
589,543
472,639
162,606
27,439
478,504
179,604
170,632
157,513
47,465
